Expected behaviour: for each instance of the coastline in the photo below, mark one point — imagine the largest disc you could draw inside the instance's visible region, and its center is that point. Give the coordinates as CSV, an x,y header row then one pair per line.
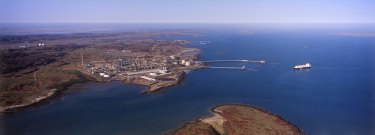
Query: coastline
x,y
58,88
159,86
85,78
36,100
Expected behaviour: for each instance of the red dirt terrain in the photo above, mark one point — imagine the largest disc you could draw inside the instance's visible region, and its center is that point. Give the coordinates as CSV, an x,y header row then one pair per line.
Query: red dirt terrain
x,y
240,120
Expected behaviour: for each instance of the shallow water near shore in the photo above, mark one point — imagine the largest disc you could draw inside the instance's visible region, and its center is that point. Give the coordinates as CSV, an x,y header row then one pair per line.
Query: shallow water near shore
x,y
336,96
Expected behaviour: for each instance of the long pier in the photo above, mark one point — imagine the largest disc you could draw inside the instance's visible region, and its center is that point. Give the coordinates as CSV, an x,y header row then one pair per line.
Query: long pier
x,y
247,61
241,68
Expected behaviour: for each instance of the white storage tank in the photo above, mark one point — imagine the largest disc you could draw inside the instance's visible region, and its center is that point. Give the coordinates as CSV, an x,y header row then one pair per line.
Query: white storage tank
x,y
153,74
101,74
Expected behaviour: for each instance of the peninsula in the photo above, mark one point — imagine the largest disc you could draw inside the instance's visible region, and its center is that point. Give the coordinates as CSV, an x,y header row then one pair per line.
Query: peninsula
x,y
37,67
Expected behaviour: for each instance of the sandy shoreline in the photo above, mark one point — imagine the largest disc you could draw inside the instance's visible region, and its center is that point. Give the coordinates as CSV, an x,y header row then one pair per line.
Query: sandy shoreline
x,y
216,122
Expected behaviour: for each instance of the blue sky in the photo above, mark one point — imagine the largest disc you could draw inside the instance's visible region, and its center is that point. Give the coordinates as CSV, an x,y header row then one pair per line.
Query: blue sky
x,y
187,11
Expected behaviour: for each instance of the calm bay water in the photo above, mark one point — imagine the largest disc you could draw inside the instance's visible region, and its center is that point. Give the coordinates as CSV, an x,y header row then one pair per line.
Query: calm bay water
x,y
336,96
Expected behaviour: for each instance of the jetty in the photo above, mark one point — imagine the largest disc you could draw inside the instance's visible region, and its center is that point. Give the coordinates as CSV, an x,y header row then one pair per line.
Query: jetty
x,y
241,68
246,61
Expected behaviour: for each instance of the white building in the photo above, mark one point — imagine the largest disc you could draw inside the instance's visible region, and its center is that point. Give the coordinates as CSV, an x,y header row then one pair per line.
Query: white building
x,y
183,61
148,78
188,63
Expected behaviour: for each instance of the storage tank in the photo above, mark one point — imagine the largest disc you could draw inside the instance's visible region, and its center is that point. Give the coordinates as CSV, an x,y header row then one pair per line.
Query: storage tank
x,y
101,74
153,74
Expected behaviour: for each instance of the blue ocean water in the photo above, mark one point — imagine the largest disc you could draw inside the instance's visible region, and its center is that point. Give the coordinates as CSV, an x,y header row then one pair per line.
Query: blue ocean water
x,y
336,96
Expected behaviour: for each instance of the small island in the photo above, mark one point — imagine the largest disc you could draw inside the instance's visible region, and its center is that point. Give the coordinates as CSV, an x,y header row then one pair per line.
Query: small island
x,y
236,119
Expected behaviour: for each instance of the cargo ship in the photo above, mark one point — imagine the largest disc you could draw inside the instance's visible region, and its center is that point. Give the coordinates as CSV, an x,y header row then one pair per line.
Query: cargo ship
x,y
305,66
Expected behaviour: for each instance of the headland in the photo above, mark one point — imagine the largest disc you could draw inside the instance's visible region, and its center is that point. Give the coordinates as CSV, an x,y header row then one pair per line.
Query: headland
x,y
36,67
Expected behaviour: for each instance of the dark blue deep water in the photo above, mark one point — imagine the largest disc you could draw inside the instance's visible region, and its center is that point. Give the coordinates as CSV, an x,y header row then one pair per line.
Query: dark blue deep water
x,y
336,96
